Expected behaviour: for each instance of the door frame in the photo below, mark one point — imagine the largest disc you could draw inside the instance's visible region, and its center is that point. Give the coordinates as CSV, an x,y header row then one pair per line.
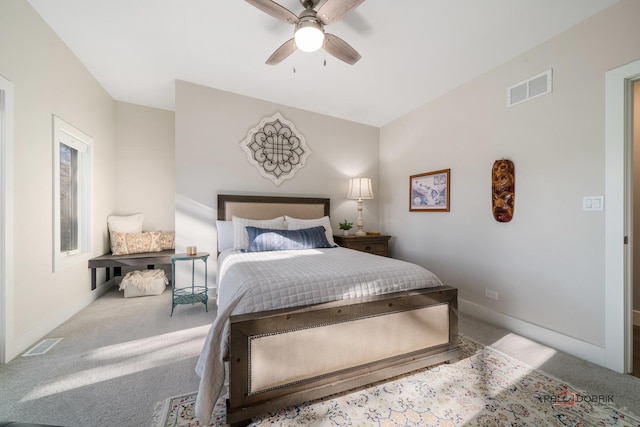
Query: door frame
x,y
6,220
619,216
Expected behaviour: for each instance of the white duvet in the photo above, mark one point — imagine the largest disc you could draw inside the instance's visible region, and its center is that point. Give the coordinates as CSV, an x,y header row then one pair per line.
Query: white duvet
x,y
259,281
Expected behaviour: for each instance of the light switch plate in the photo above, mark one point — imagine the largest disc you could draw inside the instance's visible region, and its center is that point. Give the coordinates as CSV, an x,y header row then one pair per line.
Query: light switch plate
x,y
593,203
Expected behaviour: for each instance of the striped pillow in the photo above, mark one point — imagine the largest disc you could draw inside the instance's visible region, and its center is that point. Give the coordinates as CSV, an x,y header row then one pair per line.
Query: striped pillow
x,y
266,239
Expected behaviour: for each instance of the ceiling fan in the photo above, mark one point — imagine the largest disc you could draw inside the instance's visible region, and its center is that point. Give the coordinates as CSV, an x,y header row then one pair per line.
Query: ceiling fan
x,y
309,34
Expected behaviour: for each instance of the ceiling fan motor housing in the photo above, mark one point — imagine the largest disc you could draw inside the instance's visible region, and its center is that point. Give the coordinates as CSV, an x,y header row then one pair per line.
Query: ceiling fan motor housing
x,y
309,4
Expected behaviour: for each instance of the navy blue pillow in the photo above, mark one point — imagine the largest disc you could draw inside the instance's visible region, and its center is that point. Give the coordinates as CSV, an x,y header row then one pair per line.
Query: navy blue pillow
x,y
266,239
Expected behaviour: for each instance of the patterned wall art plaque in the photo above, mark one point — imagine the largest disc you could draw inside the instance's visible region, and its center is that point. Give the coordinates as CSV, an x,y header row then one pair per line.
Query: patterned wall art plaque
x,y
276,148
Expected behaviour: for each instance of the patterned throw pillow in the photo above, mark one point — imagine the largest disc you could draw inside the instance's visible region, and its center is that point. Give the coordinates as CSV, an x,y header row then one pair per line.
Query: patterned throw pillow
x,y
264,239
167,240
136,243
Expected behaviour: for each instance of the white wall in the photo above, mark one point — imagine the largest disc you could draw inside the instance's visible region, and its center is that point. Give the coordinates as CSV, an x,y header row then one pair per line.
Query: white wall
x,y
48,79
209,127
547,264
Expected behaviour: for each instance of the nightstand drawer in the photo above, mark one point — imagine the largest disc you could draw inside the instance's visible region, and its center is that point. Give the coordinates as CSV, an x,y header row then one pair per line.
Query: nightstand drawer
x,y
371,247
376,245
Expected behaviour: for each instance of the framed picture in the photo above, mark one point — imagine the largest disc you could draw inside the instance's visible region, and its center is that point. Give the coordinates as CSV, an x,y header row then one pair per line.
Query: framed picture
x,y
429,192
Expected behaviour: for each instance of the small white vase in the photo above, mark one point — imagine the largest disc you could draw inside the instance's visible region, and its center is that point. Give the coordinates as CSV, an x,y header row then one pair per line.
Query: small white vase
x,y
345,232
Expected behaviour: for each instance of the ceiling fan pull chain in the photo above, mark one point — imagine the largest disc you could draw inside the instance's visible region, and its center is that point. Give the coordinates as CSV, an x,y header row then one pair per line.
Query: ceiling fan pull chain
x,y
294,66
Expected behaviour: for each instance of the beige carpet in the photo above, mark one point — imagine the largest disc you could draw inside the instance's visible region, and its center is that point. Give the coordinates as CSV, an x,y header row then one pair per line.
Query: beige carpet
x,y
119,357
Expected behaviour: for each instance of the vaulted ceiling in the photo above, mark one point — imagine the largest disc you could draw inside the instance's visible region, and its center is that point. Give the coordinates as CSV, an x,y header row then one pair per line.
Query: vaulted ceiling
x,y
412,50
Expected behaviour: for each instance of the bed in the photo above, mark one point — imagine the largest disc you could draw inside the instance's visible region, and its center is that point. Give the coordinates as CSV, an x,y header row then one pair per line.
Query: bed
x,y
298,325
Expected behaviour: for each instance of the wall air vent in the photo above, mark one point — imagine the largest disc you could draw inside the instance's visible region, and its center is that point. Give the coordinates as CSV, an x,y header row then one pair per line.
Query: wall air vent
x,y
530,88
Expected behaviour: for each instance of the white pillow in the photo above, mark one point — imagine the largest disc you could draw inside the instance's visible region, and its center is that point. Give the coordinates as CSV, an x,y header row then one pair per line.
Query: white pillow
x,y
225,235
124,224
297,224
240,236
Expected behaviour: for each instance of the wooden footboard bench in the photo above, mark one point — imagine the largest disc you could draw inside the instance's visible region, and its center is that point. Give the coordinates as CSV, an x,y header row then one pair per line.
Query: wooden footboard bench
x,y
285,357
149,259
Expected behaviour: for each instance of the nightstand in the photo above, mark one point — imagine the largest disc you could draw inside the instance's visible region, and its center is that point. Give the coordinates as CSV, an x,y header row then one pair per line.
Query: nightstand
x,y
377,245
189,294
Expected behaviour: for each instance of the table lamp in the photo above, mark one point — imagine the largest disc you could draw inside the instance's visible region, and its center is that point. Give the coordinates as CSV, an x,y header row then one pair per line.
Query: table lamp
x,y
360,189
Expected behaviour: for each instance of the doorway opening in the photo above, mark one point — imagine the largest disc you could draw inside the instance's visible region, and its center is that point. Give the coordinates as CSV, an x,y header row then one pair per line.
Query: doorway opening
x,y
619,236
635,283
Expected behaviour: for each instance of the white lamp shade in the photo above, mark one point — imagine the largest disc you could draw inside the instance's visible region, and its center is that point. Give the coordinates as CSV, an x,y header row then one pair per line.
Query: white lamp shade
x,y
309,36
360,188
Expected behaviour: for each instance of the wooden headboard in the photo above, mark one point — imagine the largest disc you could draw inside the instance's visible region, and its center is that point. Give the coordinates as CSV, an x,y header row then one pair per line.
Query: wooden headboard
x,y
267,207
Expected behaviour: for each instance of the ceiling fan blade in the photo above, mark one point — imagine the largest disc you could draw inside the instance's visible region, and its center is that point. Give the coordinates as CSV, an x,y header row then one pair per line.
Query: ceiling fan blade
x,y
334,10
281,53
339,48
275,10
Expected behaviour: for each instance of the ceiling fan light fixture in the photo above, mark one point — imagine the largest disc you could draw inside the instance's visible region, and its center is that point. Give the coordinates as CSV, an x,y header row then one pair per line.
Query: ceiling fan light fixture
x,y
309,35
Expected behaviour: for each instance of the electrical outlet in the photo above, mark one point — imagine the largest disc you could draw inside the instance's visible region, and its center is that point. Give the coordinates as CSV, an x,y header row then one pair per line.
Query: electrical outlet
x,y
491,294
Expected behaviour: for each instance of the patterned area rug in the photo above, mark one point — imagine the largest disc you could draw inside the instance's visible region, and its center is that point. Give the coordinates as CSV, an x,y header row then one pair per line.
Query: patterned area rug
x,y
485,387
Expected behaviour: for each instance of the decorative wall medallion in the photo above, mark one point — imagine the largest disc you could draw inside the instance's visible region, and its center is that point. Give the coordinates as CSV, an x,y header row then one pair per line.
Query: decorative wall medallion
x,y
276,148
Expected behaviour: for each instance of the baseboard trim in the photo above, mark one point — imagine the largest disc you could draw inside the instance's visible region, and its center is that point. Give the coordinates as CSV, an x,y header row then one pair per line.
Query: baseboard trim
x,y
636,317
23,342
556,340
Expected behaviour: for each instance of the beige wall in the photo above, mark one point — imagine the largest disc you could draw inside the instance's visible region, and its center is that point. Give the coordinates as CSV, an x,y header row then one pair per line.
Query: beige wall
x,y
209,127
48,79
547,264
145,167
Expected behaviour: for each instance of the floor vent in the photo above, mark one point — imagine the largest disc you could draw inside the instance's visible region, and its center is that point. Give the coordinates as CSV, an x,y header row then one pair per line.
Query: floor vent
x,y
530,88
42,347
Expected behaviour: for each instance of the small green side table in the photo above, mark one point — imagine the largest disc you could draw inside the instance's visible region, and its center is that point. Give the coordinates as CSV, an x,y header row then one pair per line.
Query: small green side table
x,y
190,294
